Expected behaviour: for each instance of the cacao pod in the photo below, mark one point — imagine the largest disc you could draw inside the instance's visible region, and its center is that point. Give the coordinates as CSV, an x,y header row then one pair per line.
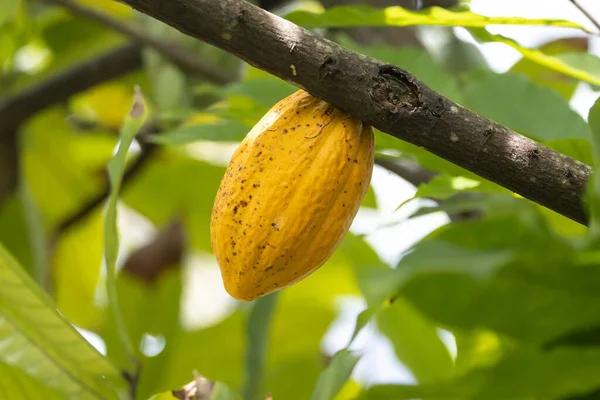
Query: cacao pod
x,y
289,195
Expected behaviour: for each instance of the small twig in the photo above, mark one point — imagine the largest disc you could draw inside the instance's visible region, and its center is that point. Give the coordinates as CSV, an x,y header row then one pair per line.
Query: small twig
x,y
146,152
410,172
585,12
170,51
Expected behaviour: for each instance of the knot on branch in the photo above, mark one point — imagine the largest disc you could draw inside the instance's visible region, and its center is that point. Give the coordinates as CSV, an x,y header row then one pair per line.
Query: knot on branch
x,y
393,90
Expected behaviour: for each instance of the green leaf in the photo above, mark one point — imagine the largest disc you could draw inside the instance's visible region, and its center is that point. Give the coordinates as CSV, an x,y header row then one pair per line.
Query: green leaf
x,y
222,131
515,101
33,333
553,63
8,9
352,16
259,323
534,373
17,385
335,376
508,273
116,168
416,342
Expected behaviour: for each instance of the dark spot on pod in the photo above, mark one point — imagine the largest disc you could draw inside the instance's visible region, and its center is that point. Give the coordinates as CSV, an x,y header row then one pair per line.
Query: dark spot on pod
x,y
250,197
347,158
241,187
355,161
243,203
307,125
227,259
270,267
343,205
234,254
270,158
261,169
256,185
293,128
243,180
258,154
235,209
285,131
275,227
275,284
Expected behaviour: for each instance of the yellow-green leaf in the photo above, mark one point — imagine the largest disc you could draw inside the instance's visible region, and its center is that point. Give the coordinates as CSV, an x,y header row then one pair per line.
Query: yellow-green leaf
x,y
535,55
346,16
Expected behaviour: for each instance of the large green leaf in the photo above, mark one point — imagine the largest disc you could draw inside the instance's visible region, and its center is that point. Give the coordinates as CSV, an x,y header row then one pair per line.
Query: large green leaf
x,y
37,340
515,101
416,342
508,273
525,373
335,376
17,385
349,16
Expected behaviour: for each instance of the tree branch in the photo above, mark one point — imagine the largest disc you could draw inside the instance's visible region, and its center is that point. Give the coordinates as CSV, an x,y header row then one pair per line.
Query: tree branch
x,y
147,150
171,51
410,172
17,109
384,96
585,12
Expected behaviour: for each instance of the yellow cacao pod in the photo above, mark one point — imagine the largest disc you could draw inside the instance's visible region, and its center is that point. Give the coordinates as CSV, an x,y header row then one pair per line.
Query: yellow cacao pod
x,y
289,195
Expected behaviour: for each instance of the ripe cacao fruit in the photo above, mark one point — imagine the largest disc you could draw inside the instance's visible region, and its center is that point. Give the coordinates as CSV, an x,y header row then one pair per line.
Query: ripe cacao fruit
x,y
289,195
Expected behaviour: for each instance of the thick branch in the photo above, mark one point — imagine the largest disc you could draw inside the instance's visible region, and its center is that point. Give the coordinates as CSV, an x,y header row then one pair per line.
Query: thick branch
x,y
384,96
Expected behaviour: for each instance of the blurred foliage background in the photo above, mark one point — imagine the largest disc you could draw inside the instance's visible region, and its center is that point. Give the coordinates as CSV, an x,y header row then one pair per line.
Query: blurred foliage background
x,y
513,284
